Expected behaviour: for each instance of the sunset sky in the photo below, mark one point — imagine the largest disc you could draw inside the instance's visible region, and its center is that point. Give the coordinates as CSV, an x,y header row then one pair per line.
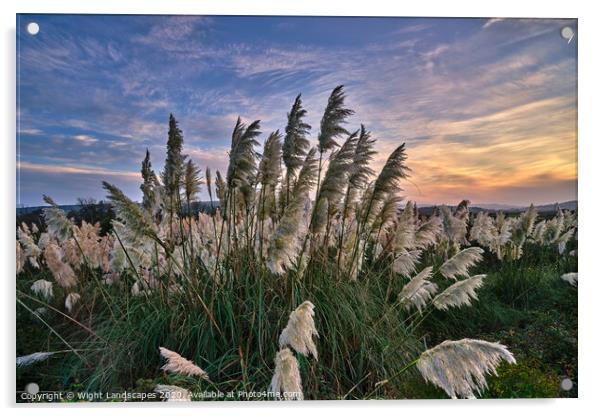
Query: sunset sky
x,y
487,107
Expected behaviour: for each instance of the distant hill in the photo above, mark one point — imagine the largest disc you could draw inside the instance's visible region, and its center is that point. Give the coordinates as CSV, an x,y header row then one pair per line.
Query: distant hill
x,y
196,206
492,208
424,210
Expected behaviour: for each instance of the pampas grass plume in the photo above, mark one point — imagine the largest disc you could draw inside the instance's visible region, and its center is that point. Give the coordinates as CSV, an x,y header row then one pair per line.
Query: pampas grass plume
x,y
287,379
177,364
460,367
300,330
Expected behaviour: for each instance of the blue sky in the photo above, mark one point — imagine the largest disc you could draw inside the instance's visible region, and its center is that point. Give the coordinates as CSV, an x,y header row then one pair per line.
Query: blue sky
x,y
487,107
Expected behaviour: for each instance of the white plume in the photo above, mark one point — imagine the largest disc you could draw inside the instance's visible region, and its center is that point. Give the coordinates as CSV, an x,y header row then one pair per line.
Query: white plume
x,y
287,379
459,294
418,291
42,287
570,277
458,265
26,360
460,367
177,364
300,330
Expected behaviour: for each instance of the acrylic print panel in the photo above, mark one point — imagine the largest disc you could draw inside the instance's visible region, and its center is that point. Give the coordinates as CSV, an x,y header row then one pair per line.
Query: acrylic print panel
x,y
286,208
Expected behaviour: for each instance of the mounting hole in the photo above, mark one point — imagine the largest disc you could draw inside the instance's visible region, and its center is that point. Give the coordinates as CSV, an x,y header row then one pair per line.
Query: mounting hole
x,y
567,33
566,384
33,28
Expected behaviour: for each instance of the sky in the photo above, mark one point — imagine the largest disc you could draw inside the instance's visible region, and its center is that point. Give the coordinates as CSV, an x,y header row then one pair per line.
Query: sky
x,y
487,107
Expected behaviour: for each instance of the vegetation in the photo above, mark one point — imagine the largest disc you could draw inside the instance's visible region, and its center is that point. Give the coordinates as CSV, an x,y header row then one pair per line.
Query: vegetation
x,y
274,294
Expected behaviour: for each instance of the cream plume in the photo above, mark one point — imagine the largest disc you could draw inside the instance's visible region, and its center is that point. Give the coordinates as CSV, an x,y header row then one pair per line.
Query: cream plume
x,y
460,367
418,291
459,294
57,223
300,330
42,287
62,272
571,278
177,364
459,264
71,300
30,359
405,262
287,379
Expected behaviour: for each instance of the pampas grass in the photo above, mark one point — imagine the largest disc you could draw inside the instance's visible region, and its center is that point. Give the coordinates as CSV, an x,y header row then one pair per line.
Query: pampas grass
x,y
177,364
300,330
43,288
418,291
62,272
286,382
27,360
284,244
59,226
459,264
460,367
71,300
459,294
571,278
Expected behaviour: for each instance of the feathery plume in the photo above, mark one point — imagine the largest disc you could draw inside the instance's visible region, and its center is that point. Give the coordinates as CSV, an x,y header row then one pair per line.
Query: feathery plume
x,y
191,180
333,186
57,223
42,287
269,167
220,189
149,183
334,116
460,367
284,245
208,181
30,250
171,393
359,171
570,278
454,228
177,364
428,232
459,294
394,170
174,162
405,262
418,291
287,379
459,264
30,359
20,258
300,330
243,157
137,221
71,300
295,141
62,271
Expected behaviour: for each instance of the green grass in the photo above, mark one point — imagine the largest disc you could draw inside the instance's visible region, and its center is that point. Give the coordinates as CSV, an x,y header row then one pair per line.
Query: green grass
x,y
523,304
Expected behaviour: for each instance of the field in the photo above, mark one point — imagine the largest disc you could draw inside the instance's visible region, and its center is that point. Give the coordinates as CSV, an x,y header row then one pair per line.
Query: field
x,y
306,276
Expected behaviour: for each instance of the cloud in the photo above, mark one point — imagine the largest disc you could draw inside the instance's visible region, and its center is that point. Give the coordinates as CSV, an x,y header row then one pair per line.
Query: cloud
x,y
85,139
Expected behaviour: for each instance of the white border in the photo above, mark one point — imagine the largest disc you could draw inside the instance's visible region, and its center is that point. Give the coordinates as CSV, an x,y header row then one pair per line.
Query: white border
x,y
590,178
